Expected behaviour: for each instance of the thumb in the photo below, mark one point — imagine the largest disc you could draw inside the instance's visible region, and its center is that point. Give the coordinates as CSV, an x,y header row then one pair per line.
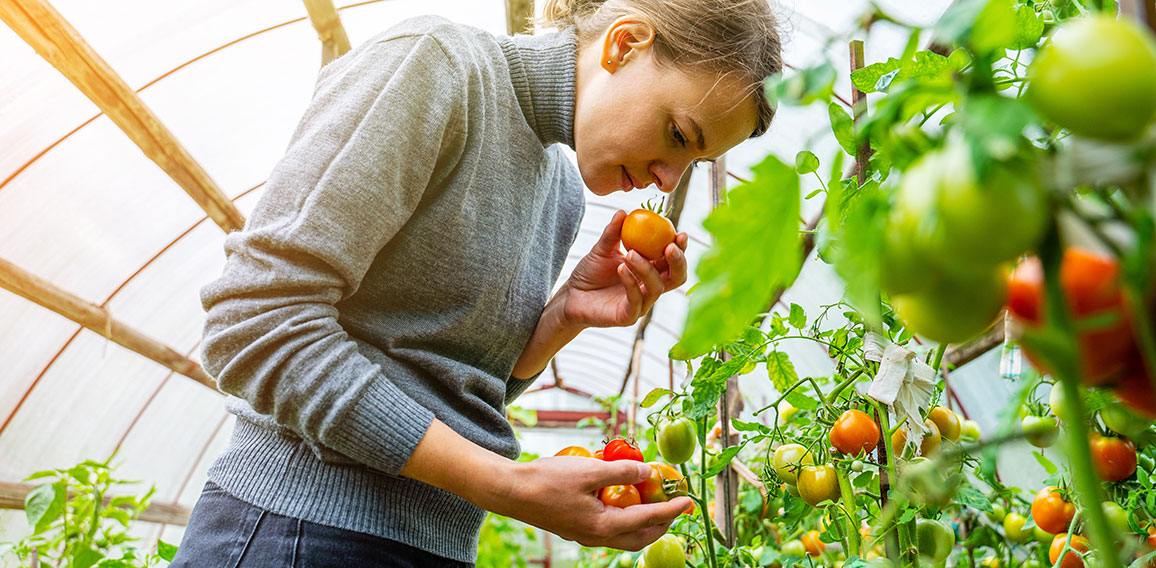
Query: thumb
x,y
622,472
608,242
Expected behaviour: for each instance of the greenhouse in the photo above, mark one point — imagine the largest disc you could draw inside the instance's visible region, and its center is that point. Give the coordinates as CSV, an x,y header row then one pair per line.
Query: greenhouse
x,y
578,283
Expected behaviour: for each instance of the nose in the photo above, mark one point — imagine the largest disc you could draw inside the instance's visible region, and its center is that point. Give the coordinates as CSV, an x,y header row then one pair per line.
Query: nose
x,y
666,175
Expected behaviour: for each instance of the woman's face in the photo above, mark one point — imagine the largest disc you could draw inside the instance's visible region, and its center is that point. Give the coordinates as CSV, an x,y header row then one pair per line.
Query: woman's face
x,y
638,123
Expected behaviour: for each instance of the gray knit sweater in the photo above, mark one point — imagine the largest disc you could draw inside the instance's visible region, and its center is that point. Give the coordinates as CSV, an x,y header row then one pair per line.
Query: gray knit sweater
x,y
392,272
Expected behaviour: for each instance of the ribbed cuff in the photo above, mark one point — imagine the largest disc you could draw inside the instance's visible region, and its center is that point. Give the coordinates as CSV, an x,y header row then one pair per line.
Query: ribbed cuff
x,y
382,429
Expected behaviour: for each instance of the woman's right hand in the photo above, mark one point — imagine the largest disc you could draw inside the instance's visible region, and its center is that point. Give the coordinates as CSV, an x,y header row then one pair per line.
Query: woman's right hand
x,y
559,494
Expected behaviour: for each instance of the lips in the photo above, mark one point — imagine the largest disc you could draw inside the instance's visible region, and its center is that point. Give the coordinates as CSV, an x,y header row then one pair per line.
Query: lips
x,y
627,181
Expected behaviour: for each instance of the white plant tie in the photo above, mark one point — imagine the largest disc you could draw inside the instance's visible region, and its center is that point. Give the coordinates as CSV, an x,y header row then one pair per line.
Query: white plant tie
x,y
904,383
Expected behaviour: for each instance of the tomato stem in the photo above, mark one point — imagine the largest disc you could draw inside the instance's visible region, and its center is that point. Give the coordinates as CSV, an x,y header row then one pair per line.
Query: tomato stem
x,y
848,495
892,472
708,526
1065,369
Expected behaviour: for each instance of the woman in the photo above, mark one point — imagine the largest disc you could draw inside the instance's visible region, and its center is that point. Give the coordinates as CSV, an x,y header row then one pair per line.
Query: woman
x,y
390,292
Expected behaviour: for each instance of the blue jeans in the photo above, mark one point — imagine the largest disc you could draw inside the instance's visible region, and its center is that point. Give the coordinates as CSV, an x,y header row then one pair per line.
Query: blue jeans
x,y
226,532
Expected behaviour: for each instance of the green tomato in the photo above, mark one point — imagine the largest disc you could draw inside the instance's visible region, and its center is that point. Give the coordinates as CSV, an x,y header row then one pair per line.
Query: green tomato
x,y
956,308
1059,403
1040,431
1042,536
1096,78
788,459
1117,518
935,539
945,213
970,431
1124,422
1013,528
666,552
786,411
997,514
624,560
794,548
677,440
1146,462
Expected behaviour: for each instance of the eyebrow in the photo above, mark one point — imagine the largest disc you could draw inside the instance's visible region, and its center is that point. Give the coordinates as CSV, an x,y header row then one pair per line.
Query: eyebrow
x,y
698,134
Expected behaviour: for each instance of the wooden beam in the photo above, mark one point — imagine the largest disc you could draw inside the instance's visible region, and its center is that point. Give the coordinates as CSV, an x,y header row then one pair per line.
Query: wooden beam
x,y
96,318
12,496
519,16
43,28
334,40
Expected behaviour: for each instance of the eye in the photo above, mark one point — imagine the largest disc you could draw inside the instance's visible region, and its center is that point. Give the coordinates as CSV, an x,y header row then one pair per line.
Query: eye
x,y
678,136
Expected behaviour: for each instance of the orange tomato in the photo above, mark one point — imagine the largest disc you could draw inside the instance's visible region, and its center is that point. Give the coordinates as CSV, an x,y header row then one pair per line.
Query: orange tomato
x,y
812,543
575,451
620,496
1071,559
1051,512
929,445
664,482
854,433
647,232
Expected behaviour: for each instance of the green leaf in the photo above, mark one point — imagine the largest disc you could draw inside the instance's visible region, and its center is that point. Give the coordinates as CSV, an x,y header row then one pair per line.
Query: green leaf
x,y
801,401
803,87
971,497
857,248
878,77
526,416
654,397
746,426
166,551
1046,463
995,27
42,474
798,317
781,371
86,558
806,162
814,193
44,505
1029,28
720,463
843,127
710,382
994,126
756,251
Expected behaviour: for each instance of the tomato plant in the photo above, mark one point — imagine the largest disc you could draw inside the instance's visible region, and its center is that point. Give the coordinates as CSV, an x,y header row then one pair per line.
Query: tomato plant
x,y
854,433
935,539
1040,431
947,422
929,445
1013,528
812,544
788,459
647,232
955,306
664,482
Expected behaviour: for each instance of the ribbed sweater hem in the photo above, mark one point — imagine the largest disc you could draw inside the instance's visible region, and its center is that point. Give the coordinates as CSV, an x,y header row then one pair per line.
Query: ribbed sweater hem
x,y
282,475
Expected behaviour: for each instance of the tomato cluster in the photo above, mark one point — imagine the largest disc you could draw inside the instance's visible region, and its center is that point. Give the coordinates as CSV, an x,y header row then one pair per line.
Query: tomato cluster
x,y
944,273
1108,351
664,482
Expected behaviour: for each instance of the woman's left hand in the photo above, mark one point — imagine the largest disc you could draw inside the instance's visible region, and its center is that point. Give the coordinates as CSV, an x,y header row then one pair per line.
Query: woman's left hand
x,y
609,289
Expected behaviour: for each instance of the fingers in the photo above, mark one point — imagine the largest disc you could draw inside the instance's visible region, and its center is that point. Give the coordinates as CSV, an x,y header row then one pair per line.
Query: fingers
x,y
640,525
676,263
608,242
621,472
652,283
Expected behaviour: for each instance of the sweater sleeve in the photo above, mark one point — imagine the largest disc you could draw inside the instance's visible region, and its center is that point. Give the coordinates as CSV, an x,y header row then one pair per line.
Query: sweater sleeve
x,y
383,123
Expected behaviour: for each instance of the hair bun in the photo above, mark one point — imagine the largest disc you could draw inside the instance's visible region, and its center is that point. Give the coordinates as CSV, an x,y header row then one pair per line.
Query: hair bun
x,y
566,13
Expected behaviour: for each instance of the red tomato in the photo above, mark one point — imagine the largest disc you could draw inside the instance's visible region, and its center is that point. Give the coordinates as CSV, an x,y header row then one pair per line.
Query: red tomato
x,y
812,544
621,450
598,454
647,232
620,496
1051,512
854,433
1114,458
575,451
1091,284
1136,391
663,483
1071,559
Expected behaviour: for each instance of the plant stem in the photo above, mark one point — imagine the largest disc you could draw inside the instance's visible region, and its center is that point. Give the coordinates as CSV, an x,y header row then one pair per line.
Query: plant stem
x,y
1066,370
892,472
848,495
706,523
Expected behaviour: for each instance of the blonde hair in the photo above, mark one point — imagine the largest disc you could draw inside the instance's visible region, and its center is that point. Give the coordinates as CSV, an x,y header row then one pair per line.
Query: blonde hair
x,y
728,37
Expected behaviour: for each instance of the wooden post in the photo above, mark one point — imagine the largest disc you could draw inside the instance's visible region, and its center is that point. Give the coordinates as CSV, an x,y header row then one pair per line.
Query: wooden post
x,y
96,318
43,28
334,40
12,496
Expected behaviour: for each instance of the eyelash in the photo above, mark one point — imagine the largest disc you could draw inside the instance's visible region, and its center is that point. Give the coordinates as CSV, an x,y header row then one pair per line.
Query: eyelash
x,y
678,136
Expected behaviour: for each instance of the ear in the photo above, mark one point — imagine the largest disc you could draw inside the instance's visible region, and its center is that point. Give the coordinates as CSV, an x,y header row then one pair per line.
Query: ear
x,y
624,39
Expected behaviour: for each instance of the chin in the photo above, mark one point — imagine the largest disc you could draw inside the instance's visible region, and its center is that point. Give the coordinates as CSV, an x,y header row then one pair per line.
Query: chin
x,y
600,186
